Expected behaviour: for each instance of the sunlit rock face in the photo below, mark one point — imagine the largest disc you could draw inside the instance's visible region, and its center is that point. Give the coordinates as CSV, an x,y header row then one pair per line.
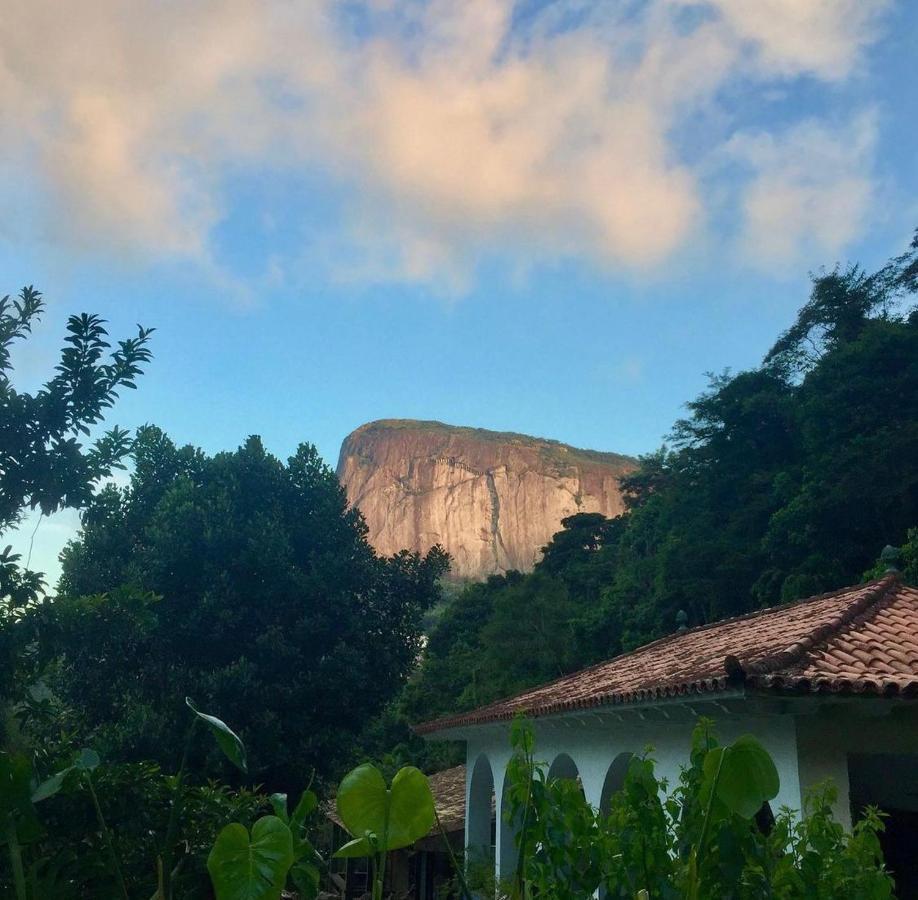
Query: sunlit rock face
x,y
491,499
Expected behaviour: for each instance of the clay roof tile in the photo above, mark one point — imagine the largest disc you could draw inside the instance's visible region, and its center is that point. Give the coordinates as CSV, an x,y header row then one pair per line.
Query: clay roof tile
x,y
862,639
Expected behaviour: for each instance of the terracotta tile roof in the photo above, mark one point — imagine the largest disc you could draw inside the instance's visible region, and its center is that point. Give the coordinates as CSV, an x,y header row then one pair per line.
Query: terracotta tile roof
x,y
861,640
448,789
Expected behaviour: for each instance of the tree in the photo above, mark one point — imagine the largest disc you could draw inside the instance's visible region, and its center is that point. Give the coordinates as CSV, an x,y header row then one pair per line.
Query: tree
x,y
782,481
43,464
247,583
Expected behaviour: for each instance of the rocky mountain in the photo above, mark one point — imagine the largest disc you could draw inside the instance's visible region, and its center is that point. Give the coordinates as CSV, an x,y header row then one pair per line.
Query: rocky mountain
x,y
492,499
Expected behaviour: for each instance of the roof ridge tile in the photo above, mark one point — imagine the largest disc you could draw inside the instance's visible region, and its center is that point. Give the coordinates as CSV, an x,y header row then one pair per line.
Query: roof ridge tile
x,y
866,603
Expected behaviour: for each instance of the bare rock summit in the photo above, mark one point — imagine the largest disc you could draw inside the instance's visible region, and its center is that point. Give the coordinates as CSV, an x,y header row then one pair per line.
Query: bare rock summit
x,y
492,499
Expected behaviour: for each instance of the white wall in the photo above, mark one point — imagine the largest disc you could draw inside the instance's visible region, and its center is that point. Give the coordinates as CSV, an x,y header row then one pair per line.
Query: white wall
x,y
594,742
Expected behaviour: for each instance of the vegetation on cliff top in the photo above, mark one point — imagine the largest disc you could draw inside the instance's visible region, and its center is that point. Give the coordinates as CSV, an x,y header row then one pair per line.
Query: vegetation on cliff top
x,y
551,450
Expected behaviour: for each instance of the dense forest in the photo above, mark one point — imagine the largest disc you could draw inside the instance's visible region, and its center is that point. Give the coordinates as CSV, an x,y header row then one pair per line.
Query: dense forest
x,y
781,482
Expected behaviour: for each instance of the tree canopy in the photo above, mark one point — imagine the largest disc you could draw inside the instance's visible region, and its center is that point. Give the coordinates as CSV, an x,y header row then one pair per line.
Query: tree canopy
x,y
43,462
781,482
246,583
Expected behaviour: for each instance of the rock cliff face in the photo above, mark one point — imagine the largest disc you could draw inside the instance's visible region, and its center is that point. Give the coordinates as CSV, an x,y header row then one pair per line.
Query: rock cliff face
x,y
492,499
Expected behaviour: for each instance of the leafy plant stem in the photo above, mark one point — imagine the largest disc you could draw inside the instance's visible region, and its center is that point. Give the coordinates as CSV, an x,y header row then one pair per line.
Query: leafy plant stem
x,y
384,853
460,874
12,841
377,884
524,825
107,837
694,876
172,827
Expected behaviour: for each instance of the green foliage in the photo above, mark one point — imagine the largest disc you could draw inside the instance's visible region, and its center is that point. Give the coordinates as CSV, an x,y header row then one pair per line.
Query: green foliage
x,y
782,482
906,560
305,871
704,840
248,578
43,464
104,830
739,778
251,868
382,818
227,739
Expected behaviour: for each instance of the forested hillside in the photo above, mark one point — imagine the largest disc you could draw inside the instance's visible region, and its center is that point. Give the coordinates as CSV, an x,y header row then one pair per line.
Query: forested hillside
x,y
781,482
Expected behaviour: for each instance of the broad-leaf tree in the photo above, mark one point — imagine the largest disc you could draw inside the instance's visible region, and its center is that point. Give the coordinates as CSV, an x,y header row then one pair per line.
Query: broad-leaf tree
x,y
46,463
247,582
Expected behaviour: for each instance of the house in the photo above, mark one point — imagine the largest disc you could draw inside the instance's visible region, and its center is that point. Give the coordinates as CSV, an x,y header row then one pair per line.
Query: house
x,y
829,685
416,872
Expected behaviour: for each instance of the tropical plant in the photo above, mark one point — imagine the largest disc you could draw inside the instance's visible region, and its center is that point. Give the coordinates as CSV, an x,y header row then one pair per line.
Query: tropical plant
x,y
712,836
60,870
258,865
382,817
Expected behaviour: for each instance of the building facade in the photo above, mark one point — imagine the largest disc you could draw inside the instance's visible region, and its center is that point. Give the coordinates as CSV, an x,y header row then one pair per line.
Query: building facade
x,y
829,685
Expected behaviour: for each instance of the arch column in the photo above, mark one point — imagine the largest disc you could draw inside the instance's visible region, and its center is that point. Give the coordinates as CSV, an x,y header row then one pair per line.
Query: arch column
x,y
507,853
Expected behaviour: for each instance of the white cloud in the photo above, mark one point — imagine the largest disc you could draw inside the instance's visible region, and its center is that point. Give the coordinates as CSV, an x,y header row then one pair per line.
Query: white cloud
x,y
461,128
810,192
821,37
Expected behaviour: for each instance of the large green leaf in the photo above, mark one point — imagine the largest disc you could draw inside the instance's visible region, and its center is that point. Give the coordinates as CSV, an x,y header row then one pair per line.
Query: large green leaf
x,y
230,743
411,809
244,868
86,761
307,878
279,805
308,802
362,802
747,776
50,786
396,816
354,849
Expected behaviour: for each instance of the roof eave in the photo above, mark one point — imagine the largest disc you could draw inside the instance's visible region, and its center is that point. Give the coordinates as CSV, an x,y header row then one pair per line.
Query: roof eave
x,y
695,702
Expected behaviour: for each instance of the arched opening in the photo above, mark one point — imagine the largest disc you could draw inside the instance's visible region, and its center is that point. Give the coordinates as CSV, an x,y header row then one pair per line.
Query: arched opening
x,y
563,767
614,781
479,820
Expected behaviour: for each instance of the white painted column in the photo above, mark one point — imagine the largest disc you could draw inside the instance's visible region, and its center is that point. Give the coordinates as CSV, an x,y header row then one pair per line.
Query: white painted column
x,y
506,851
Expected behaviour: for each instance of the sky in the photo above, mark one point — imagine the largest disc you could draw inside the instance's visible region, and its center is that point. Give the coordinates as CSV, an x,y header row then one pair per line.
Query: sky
x,y
551,217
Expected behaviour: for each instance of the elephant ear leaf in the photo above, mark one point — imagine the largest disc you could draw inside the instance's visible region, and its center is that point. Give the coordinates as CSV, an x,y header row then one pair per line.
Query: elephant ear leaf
x,y
411,809
227,739
362,802
381,818
251,868
742,776
51,786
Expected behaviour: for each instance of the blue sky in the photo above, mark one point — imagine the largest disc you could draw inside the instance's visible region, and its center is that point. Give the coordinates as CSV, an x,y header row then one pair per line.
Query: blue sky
x,y
545,217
